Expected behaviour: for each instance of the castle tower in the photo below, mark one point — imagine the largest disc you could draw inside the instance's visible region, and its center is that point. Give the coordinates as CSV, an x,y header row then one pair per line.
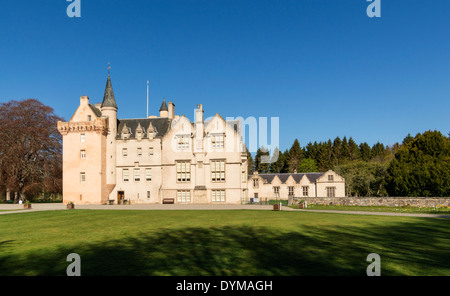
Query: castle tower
x,y
84,159
109,109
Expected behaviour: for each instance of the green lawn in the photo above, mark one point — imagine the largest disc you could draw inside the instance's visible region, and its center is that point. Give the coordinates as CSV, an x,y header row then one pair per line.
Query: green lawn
x,y
245,242
406,209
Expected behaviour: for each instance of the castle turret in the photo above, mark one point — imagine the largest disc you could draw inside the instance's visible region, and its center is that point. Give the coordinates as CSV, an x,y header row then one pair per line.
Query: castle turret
x,y
164,110
109,109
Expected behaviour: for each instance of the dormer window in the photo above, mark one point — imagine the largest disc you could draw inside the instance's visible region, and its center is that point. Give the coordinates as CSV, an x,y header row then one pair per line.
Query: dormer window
x,y
217,141
139,132
151,131
182,142
330,178
125,133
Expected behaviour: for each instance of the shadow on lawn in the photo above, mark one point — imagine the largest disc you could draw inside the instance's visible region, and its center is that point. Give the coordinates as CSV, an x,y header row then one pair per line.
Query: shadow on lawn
x,y
420,247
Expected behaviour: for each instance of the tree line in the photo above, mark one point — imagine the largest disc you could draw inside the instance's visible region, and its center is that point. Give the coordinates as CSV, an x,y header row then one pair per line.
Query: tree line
x,y
377,170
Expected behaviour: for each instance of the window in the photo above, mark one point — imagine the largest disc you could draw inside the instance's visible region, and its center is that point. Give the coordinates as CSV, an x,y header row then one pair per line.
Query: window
x,y
217,141
89,117
330,178
305,190
218,195
148,174
83,138
218,170
255,183
291,190
137,175
331,191
124,152
125,175
82,177
83,154
139,152
243,176
183,171
150,151
183,196
182,142
276,191
148,194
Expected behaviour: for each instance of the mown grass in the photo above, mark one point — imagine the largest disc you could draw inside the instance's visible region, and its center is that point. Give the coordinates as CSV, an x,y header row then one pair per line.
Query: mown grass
x,y
229,242
441,210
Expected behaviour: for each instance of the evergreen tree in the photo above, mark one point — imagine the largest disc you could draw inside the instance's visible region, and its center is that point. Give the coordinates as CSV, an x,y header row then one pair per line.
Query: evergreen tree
x,y
285,168
407,139
365,151
262,160
353,150
337,148
378,152
295,156
421,167
277,162
325,157
312,150
345,150
250,162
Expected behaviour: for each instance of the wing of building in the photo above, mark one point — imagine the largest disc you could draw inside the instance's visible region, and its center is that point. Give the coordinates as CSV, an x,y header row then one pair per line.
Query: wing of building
x,y
159,159
298,186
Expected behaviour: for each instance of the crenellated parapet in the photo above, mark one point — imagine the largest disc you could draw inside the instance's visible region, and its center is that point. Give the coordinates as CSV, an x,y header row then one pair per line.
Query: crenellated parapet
x,y
99,125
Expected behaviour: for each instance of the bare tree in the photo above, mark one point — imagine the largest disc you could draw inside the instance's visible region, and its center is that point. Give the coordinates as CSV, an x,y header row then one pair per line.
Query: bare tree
x,y
30,148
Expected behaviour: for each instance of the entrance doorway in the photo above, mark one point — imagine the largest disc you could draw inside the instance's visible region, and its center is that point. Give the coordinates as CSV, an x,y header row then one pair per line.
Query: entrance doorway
x,y
120,197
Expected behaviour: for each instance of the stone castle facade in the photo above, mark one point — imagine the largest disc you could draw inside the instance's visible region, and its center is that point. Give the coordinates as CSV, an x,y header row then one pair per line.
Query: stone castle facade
x,y
164,159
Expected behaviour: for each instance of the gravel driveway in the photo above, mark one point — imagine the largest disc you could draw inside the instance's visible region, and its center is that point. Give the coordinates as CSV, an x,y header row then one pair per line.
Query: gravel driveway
x,y
16,208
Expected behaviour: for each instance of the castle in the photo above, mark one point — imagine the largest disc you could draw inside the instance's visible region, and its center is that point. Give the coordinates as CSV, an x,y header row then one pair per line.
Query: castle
x,y
162,159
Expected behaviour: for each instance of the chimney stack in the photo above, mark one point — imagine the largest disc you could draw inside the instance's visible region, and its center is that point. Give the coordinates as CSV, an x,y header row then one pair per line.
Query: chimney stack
x,y
171,110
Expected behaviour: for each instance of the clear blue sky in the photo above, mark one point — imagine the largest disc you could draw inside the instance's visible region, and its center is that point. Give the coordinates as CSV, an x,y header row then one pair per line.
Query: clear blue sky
x,y
322,66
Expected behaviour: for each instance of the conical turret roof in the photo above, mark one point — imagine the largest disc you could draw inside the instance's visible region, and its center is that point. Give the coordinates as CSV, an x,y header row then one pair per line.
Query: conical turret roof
x,y
108,97
164,106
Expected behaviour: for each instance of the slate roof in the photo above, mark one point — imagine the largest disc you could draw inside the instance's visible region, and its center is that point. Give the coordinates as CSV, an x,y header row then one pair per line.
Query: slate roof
x,y
164,106
108,97
97,112
297,177
161,125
